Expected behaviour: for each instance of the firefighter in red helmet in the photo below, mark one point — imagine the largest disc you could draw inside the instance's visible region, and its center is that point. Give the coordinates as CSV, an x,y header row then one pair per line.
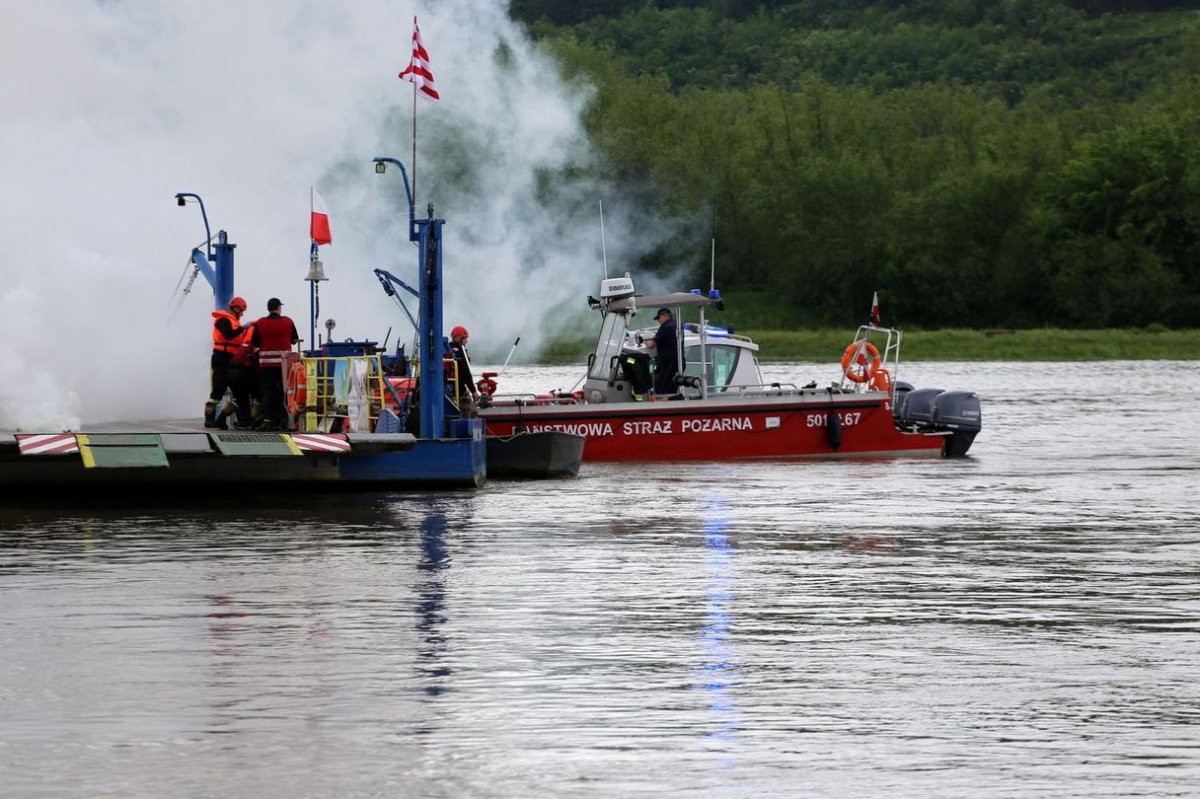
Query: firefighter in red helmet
x,y
227,335
468,394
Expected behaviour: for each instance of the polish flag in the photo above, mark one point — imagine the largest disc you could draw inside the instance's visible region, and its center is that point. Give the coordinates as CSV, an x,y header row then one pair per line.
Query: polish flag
x,y
319,228
418,72
875,310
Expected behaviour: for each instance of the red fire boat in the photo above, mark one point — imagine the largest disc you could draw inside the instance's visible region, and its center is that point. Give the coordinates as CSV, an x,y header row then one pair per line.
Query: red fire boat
x,y
719,407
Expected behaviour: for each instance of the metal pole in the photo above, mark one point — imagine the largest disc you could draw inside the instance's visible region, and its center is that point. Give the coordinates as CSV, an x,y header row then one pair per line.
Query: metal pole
x,y
432,346
223,285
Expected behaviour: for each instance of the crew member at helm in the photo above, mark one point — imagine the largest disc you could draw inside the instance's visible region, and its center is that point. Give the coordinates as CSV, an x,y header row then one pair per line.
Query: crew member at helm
x,y
468,394
227,334
666,356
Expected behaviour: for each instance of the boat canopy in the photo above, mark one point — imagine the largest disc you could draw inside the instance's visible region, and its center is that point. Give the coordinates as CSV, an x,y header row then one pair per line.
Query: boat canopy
x,y
678,299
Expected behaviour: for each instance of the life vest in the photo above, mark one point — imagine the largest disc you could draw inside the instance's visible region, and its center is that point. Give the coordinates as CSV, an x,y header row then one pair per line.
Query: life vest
x,y
295,387
220,342
274,339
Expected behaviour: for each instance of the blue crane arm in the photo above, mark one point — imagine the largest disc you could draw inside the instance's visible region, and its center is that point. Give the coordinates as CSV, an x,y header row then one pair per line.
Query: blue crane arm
x,y
389,282
204,267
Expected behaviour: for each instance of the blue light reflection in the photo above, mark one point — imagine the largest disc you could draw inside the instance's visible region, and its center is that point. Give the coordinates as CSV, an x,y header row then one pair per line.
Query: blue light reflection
x,y
719,674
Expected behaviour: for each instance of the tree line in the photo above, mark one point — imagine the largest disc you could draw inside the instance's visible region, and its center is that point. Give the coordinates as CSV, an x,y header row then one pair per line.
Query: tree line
x,y
1021,163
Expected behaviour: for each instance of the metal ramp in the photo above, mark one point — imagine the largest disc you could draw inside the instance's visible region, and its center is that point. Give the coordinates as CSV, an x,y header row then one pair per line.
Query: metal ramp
x,y
255,444
122,451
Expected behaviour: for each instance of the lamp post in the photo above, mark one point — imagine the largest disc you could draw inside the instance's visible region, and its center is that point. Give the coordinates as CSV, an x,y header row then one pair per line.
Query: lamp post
x,y
220,273
427,233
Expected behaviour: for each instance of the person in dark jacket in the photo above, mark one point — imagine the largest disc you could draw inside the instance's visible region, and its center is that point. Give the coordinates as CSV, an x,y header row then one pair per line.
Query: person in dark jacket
x,y
274,335
666,357
468,393
227,336
243,381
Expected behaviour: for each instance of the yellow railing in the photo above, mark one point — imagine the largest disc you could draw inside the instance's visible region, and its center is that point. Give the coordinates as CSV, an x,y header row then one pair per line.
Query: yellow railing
x,y
345,393
342,394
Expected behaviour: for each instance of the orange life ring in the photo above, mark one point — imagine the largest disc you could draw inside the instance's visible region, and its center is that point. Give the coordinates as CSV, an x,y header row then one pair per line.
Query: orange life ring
x,y
296,387
882,381
871,367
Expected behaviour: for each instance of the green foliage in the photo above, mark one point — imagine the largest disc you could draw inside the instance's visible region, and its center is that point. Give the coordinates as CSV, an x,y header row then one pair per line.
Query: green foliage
x,y
1124,237
1026,163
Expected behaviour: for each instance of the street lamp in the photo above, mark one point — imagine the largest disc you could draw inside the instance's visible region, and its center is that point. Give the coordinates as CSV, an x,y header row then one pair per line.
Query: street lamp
x,y
380,168
220,274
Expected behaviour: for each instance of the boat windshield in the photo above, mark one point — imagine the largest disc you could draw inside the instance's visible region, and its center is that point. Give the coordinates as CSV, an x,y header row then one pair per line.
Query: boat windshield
x,y
608,346
722,361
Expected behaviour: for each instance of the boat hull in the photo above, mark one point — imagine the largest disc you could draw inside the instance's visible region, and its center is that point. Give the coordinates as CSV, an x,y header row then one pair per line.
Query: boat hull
x,y
159,459
817,425
530,455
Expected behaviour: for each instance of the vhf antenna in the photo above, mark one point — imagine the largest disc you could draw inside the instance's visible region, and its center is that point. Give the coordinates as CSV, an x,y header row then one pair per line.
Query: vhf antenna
x,y
603,250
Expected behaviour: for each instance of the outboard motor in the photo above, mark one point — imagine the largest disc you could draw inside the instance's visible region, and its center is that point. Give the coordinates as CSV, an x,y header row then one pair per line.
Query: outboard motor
x,y
918,408
959,412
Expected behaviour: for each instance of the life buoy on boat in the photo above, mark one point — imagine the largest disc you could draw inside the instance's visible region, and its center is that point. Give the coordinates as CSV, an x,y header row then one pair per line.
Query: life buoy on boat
x,y
296,387
868,358
882,381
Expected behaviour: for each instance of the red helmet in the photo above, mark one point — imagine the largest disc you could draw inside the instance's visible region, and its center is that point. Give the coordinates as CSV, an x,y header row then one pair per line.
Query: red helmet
x,y
459,332
238,303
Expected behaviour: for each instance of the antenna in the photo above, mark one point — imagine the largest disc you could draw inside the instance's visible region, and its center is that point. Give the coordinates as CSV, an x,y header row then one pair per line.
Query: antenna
x,y
713,280
603,250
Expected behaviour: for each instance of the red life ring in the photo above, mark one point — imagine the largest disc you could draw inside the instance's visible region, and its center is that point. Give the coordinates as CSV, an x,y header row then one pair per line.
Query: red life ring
x,y
855,351
486,386
296,387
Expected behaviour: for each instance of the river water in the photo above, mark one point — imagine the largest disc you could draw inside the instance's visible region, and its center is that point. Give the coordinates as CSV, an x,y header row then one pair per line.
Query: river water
x,y
1024,622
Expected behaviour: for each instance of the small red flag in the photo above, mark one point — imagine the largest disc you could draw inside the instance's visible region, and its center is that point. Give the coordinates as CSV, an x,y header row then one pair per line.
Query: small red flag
x,y
319,228
875,310
418,72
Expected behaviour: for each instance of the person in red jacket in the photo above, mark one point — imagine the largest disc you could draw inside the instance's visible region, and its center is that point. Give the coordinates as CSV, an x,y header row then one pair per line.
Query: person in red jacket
x,y
227,335
274,336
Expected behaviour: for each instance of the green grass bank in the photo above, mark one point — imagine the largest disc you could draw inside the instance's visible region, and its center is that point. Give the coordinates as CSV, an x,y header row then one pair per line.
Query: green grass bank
x,y
1046,344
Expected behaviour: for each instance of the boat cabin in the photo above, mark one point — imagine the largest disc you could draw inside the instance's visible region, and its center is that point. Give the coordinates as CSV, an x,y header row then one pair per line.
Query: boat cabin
x,y
620,368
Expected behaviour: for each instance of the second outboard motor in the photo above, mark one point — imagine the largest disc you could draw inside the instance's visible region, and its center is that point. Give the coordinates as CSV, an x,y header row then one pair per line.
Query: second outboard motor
x,y
918,408
957,410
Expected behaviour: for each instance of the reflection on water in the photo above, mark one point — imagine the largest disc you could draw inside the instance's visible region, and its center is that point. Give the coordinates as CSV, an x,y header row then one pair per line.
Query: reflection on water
x,y
719,674
1025,622
431,604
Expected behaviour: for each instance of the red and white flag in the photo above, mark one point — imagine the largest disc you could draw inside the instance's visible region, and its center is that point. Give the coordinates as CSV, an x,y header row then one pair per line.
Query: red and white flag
x,y
875,310
319,228
417,72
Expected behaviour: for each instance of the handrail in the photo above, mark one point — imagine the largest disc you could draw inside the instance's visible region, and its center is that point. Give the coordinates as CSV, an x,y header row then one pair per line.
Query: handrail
x,y
323,403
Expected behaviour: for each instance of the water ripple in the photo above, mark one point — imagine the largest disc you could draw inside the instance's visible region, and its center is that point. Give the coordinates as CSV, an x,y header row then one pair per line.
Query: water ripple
x,y
1022,623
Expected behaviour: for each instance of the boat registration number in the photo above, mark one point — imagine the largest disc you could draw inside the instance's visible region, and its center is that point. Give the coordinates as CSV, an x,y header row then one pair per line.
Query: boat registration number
x,y
847,418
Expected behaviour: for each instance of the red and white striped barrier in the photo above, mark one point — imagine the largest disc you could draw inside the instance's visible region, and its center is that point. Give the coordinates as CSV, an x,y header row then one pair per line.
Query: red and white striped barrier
x,y
321,442
51,444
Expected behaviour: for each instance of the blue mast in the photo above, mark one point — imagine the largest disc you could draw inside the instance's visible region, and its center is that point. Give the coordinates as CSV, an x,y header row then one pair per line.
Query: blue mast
x,y
220,274
427,233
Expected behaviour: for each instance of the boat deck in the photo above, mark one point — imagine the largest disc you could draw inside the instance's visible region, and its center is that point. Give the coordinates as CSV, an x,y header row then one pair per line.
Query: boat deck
x,y
166,454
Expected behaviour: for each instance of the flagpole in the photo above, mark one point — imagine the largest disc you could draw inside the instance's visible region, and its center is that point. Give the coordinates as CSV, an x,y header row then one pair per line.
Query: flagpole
x,y
414,145
418,73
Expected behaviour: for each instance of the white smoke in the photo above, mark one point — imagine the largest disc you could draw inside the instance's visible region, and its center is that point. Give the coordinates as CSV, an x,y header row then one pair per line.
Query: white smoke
x,y
112,107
